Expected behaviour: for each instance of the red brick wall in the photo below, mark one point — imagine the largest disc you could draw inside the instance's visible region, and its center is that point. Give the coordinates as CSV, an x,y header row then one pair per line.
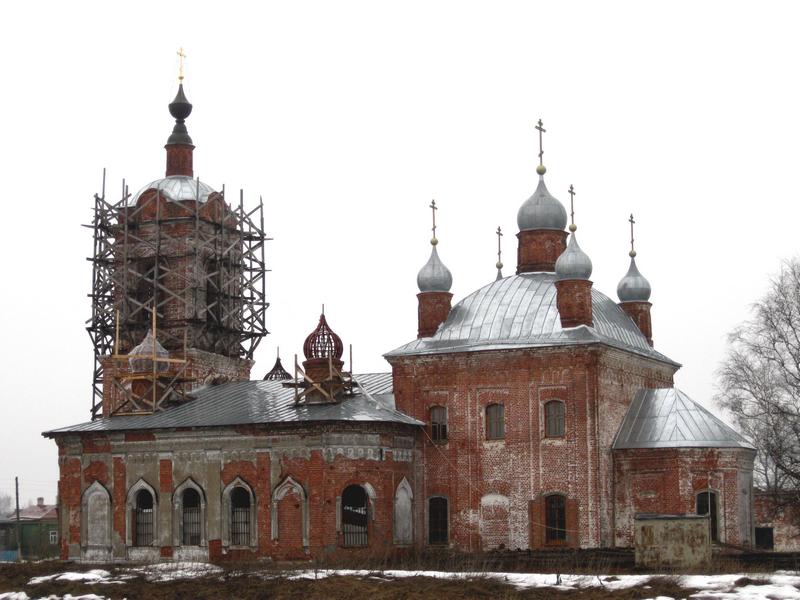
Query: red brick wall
x,y
779,513
595,383
667,481
432,311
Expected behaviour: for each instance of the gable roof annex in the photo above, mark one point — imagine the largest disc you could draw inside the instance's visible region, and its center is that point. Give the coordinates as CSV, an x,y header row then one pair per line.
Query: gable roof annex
x,y
668,418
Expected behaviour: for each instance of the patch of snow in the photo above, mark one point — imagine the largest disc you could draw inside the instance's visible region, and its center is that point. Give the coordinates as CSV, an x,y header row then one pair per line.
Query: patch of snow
x,y
93,576
14,596
159,572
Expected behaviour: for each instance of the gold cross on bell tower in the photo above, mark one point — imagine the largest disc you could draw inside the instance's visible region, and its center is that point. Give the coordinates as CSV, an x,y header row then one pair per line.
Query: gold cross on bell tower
x,y
181,56
433,208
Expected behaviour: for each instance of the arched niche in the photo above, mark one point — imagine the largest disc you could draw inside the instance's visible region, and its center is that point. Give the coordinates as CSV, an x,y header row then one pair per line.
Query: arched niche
x,y
403,511
289,486
96,518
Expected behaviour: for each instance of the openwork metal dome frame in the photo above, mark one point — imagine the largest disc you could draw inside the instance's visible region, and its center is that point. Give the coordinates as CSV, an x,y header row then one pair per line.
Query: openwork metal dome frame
x,y
323,342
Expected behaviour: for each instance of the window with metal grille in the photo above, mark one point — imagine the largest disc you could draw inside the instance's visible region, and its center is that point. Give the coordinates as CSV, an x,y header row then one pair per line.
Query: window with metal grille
x,y
240,517
554,419
555,508
355,517
437,520
707,505
143,519
438,423
495,422
191,517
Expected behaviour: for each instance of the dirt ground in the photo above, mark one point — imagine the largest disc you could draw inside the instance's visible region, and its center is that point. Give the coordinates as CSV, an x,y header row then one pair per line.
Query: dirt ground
x,y
239,585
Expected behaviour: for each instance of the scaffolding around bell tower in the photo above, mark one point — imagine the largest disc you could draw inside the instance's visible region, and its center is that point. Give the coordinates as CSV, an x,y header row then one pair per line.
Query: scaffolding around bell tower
x,y
198,260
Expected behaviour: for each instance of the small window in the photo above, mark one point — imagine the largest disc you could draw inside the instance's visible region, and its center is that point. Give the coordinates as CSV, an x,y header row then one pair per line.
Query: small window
x,y
437,520
495,422
554,419
764,538
191,517
555,509
53,536
240,517
438,423
355,520
143,522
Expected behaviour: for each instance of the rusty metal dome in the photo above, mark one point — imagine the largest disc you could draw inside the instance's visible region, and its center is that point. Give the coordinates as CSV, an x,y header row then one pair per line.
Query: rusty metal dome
x,y
278,373
323,342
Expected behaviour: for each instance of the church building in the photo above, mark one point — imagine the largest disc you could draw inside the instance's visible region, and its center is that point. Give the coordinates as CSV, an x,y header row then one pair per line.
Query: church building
x,y
533,413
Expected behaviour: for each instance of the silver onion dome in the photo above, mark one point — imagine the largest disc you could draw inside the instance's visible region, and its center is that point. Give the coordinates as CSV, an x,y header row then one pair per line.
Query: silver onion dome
x,y
434,276
541,211
573,263
633,287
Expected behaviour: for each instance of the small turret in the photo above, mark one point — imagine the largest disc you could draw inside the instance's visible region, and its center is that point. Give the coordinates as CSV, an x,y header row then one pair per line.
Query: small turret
x,y
541,220
634,294
434,281
573,287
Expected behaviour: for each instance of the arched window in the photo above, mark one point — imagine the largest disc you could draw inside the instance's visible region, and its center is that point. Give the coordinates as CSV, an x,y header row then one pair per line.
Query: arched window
x,y
438,423
437,520
192,530
554,419
555,514
239,525
354,516
143,519
240,517
495,422
707,505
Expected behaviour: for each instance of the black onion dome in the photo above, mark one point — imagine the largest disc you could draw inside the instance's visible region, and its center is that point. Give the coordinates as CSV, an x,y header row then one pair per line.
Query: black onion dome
x,y
180,108
323,342
278,373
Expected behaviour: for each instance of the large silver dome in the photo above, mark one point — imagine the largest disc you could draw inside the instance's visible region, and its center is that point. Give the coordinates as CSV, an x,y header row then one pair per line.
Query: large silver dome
x,y
541,211
434,276
573,263
633,287
176,188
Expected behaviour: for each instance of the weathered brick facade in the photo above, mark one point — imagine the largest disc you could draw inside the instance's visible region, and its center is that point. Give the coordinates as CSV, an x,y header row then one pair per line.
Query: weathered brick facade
x,y
319,462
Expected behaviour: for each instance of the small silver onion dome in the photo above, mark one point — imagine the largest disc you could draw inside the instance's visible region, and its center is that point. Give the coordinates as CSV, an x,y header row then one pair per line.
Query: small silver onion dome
x,y
633,287
573,262
434,276
541,211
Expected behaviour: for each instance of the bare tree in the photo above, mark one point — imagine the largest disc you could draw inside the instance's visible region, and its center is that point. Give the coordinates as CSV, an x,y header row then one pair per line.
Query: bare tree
x,y
759,382
6,504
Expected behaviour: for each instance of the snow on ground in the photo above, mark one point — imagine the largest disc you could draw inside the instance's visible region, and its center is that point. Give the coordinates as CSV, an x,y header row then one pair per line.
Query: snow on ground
x,y
781,585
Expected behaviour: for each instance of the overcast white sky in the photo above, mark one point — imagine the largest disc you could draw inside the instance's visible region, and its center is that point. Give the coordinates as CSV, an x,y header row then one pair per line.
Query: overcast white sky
x,y
348,117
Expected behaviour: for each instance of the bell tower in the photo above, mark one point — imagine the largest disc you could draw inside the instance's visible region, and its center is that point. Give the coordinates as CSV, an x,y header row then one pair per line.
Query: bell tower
x,y
178,280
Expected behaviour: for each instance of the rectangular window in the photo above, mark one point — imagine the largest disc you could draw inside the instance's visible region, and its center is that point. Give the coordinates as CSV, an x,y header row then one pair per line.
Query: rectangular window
x,y
554,419
438,423
495,422
53,536
556,518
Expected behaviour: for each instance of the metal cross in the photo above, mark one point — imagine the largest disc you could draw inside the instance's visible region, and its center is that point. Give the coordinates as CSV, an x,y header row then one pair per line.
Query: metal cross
x,y
540,128
499,235
433,213
631,221
182,55
572,204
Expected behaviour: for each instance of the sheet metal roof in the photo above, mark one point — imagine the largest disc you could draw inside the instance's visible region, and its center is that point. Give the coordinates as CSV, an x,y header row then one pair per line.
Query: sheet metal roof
x,y
250,402
520,312
668,418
